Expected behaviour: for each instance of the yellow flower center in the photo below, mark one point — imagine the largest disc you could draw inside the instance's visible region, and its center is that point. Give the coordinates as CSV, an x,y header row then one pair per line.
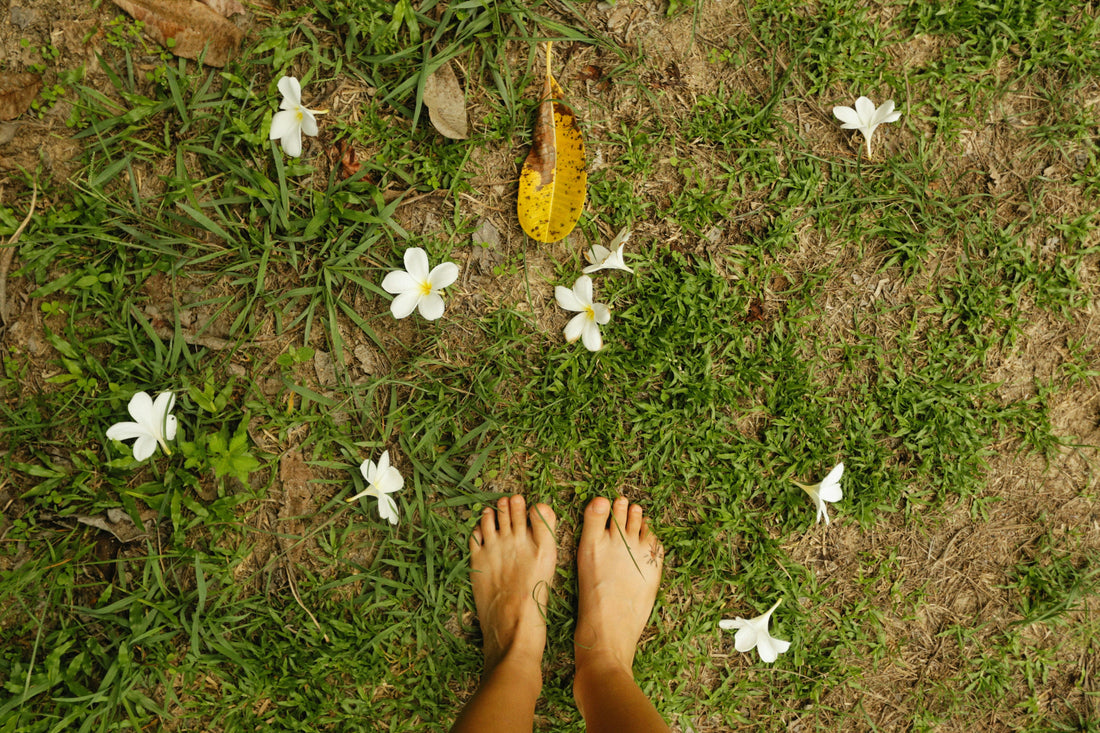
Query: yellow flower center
x,y
425,288
298,112
591,313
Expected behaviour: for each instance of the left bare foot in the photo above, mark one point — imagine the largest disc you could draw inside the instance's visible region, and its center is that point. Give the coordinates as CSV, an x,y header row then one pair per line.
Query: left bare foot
x,y
512,558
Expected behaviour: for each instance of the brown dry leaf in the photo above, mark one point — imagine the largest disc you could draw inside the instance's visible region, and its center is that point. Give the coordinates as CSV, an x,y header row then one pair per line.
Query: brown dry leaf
x,y
446,102
17,91
187,28
225,7
120,524
554,181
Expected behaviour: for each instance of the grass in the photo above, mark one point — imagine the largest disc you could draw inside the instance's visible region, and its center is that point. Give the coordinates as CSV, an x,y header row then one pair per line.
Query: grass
x,y
921,315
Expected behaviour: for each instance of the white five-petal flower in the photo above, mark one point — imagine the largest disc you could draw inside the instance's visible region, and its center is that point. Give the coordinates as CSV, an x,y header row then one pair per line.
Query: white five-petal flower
x,y
152,424
382,480
416,286
293,119
586,324
753,632
608,258
866,117
828,490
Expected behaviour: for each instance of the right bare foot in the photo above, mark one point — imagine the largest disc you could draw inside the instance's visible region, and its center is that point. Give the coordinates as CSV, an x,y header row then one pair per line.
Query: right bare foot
x,y
512,560
619,568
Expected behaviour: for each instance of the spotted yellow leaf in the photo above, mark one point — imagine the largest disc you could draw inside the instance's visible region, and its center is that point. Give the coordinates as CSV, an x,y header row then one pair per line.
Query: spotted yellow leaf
x,y
554,182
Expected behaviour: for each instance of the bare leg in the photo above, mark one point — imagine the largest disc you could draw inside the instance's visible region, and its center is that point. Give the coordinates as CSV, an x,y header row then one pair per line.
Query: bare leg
x,y
512,559
619,568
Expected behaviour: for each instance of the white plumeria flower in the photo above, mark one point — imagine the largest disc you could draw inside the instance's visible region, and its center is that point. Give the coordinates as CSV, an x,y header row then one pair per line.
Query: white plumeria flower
x,y
416,286
753,632
866,117
293,119
382,480
608,258
586,324
827,491
152,424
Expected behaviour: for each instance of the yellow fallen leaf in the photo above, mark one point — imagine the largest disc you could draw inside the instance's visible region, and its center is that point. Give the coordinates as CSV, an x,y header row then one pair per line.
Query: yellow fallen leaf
x,y
554,181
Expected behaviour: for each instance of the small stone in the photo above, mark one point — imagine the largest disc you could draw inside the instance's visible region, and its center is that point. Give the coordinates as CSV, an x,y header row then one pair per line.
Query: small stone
x,y
326,370
486,252
368,361
23,18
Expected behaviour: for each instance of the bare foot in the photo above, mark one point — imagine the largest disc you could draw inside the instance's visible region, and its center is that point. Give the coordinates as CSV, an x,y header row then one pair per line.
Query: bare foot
x,y
619,568
512,559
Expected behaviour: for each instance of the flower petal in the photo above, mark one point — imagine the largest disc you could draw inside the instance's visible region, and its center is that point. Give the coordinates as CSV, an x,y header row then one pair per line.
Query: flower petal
x,y
830,486
848,116
144,446
400,281
163,405
309,122
729,623
590,336
367,468
883,111
583,289
404,304
140,408
443,275
602,313
292,142
126,431
597,255
744,639
389,481
431,307
567,299
282,124
387,508
766,648
416,263
575,327
291,91
865,108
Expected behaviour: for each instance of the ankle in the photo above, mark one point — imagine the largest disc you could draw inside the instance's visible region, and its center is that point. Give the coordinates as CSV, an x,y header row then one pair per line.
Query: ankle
x,y
595,662
593,673
521,665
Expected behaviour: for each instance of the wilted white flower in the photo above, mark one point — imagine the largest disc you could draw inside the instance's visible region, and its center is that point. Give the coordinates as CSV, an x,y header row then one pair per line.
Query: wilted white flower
x,y
293,119
828,490
152,424
382,480
753,632
416,286
866,117
610,257
586,324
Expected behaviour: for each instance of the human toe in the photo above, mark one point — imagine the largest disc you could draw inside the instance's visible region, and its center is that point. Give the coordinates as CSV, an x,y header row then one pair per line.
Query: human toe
x,y
487,529
619,511
543,524
634,521
595,520
504,517
517,514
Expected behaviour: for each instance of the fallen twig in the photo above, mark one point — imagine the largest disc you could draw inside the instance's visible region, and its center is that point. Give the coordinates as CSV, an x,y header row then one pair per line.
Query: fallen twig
x,y
8,253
